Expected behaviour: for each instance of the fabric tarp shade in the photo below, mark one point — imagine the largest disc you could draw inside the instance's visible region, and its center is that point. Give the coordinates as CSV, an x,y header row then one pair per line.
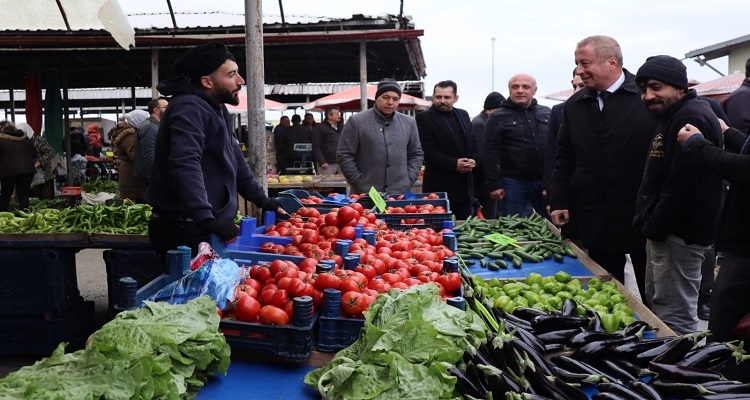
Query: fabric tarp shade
x,y
53,111
78,14
33,99
268,105
348,100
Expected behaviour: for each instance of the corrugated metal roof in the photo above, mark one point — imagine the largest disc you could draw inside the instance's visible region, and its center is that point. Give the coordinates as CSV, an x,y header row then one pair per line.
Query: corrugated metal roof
x,y
311,89
214,19
84,94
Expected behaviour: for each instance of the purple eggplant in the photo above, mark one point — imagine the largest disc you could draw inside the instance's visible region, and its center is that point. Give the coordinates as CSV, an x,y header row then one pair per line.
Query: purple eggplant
x,y
682,373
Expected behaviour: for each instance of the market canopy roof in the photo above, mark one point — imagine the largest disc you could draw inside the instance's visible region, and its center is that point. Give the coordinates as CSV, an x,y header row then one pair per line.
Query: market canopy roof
x,y
348,100
720,86
323,51
268,105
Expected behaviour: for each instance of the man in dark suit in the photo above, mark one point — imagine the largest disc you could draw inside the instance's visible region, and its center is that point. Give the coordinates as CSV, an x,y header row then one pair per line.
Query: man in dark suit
x,y
450,150
601,153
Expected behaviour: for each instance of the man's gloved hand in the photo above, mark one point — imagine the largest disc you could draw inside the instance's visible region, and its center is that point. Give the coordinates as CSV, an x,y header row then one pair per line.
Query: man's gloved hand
x,y
224,228
272,205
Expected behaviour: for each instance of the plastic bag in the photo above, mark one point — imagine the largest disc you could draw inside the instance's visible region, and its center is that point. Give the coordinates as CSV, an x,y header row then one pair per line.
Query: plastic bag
x,y
38,178
93,199
217,278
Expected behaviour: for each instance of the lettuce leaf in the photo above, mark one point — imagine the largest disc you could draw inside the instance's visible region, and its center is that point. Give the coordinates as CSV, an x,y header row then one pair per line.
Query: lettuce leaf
x,y
158,351
410,338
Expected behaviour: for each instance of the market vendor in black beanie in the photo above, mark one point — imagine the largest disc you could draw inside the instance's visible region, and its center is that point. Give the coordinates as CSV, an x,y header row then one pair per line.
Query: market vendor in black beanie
x,y
678,203
199,168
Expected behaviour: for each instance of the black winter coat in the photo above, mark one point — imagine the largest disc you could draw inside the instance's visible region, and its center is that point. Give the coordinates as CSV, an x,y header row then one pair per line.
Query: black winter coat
x,y
676,197
737,106
599,162
515,140
17,153
442,148
732,164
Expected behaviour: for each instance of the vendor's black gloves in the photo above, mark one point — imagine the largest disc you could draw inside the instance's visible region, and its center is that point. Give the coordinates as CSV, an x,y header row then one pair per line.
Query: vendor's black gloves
x,y
272,205
224,228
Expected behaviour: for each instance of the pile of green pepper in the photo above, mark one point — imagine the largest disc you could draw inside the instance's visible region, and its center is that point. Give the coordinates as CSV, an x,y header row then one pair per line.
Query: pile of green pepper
x,y
548,293
127,218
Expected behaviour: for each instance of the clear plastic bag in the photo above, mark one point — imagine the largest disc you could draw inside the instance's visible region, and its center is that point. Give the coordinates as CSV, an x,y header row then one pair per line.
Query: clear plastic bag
x,y
216,278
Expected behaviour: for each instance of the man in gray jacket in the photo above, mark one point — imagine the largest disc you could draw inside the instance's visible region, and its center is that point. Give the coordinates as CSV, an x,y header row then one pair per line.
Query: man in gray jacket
x,y
380,147
143,161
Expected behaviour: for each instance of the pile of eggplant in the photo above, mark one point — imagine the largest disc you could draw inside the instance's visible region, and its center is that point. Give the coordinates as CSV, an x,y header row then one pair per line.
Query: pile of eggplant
x,y
537,355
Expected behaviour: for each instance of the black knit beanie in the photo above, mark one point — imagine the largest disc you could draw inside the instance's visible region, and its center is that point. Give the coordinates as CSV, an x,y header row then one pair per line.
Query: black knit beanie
x,y
388,85
665,69
202,60
493,101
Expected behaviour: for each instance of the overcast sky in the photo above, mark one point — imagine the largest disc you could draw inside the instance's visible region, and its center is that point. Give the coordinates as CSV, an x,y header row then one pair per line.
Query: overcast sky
x,y
534,37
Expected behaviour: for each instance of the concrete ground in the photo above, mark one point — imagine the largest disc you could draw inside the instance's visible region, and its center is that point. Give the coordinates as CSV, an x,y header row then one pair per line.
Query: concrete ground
x,y
92,283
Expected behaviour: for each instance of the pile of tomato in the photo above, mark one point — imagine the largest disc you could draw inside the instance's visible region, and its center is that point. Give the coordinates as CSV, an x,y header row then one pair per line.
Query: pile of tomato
x,y
397,260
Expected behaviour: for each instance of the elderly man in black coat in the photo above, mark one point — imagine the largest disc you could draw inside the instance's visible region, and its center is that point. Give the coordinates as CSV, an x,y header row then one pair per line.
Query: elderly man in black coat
x,y
601,153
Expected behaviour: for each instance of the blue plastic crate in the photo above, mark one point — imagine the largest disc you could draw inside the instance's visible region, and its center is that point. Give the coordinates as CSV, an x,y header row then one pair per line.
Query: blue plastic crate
x,y
41,335
400,221
143,266
299,194
335,334
416,196
289,342
254,257
445,203
292,204
38,281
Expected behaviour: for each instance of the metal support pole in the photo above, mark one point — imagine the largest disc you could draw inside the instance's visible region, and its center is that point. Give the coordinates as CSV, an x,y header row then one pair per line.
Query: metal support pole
x,y
12,98
363,75
254,56
493,64
66,127
154,72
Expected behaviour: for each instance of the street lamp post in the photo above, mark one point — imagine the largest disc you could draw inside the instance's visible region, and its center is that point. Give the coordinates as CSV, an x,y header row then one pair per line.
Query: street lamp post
x,y
493,64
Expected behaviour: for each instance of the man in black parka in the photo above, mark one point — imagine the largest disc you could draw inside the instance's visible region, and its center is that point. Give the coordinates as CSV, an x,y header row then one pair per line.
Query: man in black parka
x,y
600,157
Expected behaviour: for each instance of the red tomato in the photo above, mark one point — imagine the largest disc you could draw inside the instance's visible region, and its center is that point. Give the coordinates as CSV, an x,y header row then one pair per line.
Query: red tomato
x,y
451,282
353,303
260,272
347,233
253,283
273,315
308,265
310,236
391,278
297,288
246,309
380,266
327,281
332,219
279,298
357,207
350,284
399,285
346,215
330,232
367,270
267,294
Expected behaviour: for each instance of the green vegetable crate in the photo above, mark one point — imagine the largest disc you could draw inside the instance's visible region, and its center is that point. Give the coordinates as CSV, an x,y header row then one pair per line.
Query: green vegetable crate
x,y
41,335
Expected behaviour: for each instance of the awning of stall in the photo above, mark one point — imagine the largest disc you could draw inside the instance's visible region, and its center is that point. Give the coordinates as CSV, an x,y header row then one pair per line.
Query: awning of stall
x,y
348,100
720,87
303,52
